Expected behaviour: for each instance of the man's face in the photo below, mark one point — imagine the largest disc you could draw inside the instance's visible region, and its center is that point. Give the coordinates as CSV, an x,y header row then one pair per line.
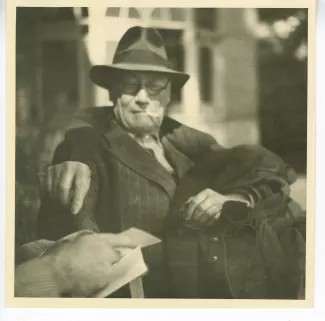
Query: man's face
x,y
142,99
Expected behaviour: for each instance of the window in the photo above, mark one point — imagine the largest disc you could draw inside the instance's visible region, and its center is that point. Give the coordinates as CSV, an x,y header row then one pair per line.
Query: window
x,y
113,12
64,14
206,70
84,29
84,12
177,14
157,14
206,26
133,13
205,18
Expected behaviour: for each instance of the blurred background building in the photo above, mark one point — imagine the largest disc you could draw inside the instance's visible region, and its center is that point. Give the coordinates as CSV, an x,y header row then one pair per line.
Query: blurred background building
x,y
248,80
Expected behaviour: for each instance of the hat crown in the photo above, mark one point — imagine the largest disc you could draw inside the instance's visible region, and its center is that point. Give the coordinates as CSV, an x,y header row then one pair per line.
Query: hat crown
x,y
141,41
139,50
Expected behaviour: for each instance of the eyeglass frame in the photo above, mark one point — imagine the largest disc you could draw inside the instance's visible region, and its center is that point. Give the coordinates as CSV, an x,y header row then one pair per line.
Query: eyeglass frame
x,y
140,85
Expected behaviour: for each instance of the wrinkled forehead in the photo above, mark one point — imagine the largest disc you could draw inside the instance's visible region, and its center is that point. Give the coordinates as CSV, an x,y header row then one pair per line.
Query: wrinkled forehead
x,y
135,76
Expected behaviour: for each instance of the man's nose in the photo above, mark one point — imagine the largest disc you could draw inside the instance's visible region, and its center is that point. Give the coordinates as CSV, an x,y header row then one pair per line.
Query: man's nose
x,y
142,98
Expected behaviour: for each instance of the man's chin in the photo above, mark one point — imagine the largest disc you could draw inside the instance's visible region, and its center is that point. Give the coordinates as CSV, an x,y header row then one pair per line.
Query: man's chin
x,y
145,129
144,125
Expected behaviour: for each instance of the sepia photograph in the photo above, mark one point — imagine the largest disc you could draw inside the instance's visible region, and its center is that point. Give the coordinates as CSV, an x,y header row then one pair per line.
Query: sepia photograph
x,y
161,153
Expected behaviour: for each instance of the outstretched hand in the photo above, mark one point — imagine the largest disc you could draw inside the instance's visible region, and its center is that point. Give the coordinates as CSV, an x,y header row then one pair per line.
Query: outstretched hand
x,y
67,183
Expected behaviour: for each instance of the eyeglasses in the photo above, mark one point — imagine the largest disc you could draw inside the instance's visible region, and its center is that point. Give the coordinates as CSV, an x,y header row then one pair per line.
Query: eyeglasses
x,y
154,85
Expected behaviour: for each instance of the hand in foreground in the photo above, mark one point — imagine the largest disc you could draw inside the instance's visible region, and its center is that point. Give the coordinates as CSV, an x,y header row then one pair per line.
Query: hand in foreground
x,y
82,263
78,265
204,209
67,183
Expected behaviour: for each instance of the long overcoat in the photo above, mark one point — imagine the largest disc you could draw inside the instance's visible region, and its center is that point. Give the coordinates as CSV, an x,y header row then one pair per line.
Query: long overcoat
x,y
129,188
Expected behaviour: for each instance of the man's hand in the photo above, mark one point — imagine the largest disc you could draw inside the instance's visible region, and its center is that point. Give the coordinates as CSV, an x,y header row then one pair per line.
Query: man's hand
x,y
82,261
204,209
78,265
67,183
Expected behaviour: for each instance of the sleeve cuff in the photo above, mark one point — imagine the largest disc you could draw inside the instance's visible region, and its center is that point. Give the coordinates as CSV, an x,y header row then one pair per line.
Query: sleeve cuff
x,y
249,195
35,279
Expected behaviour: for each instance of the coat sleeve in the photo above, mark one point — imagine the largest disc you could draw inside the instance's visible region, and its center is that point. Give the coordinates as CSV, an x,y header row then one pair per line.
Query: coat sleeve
x,y
191,142
35,278
84,131
55,220
28,260
266,172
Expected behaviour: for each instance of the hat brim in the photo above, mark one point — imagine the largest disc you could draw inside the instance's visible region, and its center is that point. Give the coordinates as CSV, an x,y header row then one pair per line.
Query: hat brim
x,y
104,76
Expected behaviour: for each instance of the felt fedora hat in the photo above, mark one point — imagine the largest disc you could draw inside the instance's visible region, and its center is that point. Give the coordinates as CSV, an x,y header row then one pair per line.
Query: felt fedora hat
x,y
140,49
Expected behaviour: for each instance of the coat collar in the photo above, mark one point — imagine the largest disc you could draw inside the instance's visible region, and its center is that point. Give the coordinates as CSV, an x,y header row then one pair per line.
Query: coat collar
x,y
179,161
122,146
129,152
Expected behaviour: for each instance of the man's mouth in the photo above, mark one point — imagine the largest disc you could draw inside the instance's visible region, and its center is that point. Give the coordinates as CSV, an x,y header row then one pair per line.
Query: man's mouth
x,y
146,113
152,114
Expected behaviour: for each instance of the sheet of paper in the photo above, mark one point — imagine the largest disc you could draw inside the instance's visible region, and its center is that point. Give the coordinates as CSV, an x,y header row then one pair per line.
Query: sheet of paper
x,y
140,237
131,266
128,268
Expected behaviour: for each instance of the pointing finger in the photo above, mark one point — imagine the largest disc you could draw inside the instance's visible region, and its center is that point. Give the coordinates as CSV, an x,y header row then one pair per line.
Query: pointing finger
x,y
81,186
65,186
49,180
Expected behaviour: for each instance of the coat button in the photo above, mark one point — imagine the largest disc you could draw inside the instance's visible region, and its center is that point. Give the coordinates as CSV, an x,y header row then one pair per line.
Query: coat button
x,y
215,239
214,258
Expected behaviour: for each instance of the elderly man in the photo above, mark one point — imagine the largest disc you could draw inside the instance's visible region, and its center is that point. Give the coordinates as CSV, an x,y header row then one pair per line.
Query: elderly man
x,y
146,170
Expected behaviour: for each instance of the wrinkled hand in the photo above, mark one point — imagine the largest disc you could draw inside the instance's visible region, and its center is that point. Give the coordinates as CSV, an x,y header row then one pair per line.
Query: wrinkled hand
x,y
31,250
204,209
67,183
82,262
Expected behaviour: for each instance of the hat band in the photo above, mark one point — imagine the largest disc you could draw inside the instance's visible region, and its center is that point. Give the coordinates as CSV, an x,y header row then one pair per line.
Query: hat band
x,y
143,57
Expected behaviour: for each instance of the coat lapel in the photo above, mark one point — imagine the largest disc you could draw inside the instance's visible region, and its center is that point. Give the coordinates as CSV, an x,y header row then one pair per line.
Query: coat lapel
x,y
179,161
123,147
